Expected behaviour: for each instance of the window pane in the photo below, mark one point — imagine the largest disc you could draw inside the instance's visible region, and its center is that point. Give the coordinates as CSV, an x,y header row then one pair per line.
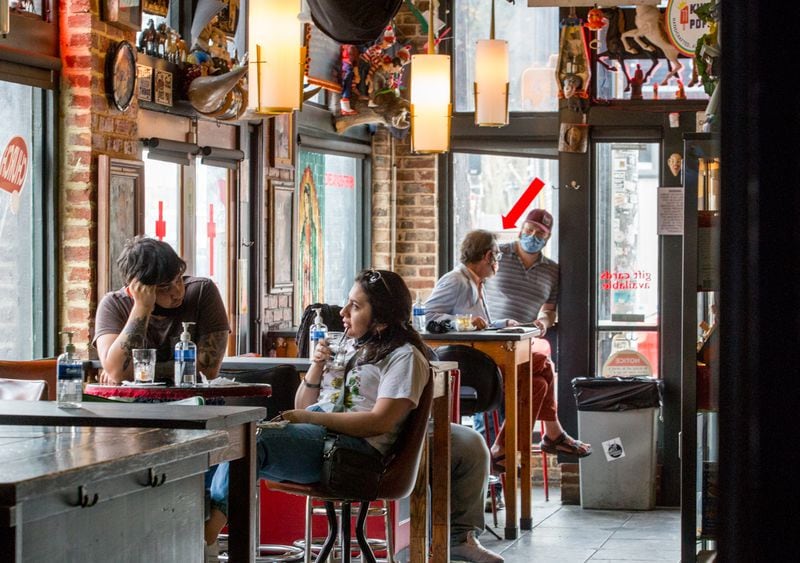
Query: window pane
x,y
485,187
162,201
19,221
627,242
644,342
532,36
211,227
328,227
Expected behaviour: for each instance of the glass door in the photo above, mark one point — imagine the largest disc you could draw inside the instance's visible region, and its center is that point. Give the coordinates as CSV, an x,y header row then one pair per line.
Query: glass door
x,y
627,252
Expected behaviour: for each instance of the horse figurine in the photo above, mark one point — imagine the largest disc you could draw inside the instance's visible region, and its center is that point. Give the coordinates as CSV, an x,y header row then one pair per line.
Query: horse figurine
x,y
616,49
649,24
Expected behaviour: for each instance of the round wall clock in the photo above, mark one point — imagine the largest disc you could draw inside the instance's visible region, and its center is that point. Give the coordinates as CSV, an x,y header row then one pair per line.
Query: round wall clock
x,y
121,74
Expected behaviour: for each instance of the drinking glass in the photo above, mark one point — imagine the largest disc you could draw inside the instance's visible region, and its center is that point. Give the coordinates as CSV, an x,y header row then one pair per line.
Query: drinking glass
x,y
464,322
144,365
338,343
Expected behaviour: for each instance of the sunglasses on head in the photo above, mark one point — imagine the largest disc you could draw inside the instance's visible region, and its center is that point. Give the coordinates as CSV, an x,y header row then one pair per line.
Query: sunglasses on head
x,y
373,276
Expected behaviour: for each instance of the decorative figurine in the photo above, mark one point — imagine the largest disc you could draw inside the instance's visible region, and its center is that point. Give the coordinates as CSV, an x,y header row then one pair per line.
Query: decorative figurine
x,y
636,83
350,77
675,162
650,34
572,72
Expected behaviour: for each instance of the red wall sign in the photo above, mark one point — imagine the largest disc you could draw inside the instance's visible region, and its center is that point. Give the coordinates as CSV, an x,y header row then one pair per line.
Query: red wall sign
x,y
14,165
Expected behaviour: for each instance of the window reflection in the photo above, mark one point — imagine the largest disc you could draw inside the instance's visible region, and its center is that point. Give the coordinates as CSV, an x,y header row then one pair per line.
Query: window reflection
x,y
485,188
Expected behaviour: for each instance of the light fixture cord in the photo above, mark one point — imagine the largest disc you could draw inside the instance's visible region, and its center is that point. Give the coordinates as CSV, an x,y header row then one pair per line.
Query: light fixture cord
x,y
491,27
431,44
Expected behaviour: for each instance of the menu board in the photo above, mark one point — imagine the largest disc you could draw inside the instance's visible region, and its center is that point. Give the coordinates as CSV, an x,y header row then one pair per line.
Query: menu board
x,y
324,59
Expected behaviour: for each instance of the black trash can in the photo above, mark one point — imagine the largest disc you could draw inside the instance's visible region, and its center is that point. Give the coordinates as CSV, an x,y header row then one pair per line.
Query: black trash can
x,y
618,416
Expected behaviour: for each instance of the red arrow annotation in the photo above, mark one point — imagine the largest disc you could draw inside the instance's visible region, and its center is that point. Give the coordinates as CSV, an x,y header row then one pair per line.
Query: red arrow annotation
x,y
510,220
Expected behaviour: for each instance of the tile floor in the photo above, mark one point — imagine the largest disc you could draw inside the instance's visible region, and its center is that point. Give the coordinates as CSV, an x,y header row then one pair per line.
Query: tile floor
x,y
570,534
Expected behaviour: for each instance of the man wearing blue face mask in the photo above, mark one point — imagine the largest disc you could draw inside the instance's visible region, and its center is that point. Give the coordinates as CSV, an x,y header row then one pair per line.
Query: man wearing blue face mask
x,y
525,290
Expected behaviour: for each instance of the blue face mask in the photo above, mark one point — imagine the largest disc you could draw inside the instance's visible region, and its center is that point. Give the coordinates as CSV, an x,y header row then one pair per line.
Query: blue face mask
x,y
532,244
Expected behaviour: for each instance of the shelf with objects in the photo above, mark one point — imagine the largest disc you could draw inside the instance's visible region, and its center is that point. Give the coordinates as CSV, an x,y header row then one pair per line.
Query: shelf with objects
x,y
701,377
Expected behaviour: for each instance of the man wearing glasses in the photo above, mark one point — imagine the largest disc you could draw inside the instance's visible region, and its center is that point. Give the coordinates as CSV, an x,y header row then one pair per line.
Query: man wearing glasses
x,y
461,290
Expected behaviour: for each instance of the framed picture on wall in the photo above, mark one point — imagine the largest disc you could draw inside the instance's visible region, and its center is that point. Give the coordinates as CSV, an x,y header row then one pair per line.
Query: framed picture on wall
x,y
281,141
120,214
126,14
281,237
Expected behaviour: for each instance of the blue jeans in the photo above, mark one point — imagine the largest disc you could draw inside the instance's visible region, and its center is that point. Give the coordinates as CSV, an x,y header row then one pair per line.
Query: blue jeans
x,y
291,453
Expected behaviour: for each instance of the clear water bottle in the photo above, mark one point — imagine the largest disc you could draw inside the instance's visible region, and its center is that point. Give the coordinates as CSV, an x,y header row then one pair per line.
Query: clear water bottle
x,y
418,314
319,331
185,359
69,376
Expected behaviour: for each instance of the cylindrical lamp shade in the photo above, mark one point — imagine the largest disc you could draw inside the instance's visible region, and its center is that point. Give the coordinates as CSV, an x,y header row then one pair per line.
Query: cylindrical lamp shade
x,y
430,103
491,83
275,56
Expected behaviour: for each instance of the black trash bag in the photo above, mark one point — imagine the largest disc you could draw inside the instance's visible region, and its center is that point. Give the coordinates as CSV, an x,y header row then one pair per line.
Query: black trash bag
x,y
353,21
612,394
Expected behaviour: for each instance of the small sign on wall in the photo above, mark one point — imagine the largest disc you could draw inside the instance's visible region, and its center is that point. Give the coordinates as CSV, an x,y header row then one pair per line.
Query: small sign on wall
x,y
144,75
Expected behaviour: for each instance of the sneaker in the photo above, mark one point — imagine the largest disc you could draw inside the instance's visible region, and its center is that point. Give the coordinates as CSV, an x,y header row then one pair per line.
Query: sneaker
x,y
472,550
211,552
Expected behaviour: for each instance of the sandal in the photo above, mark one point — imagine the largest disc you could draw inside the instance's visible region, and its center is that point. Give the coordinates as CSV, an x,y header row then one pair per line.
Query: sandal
x,y
565,444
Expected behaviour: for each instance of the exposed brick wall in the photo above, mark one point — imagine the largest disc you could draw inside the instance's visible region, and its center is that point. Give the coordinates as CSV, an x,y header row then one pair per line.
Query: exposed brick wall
x,y
278,307
88,126
415,235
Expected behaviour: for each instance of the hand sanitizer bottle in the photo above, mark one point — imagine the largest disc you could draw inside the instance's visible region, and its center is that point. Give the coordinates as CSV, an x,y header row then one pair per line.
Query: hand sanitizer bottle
x,y
69,376
185,359
418,313
319,331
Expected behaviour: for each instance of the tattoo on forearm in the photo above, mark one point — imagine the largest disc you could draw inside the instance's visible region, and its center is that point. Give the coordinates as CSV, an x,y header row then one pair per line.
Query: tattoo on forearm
x,y
211,349
134,337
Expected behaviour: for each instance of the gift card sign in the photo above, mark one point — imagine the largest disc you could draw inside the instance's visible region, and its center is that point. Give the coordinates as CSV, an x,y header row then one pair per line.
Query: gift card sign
x,y
613,449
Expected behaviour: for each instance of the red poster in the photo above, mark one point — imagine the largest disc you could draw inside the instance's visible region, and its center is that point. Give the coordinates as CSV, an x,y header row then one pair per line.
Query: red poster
x,y
14,165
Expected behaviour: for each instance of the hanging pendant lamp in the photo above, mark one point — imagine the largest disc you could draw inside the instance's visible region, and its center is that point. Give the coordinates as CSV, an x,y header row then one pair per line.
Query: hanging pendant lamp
x,y
276,57
491,80
431,106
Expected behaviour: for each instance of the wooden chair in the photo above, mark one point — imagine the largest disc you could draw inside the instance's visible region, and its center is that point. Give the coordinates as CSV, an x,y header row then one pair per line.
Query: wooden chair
x,y
397,482
36,370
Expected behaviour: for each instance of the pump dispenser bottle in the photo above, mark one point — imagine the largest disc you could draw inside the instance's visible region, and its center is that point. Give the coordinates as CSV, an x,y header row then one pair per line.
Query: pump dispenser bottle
x,y
185,359
319,331
69,376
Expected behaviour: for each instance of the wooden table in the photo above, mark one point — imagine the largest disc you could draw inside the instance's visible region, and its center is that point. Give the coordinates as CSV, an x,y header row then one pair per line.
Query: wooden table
x,y
212,394
512,352
438,475
302,365
238,422
103,494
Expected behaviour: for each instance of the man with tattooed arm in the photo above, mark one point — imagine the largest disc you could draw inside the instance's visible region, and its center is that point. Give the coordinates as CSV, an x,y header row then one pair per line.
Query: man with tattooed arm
x,y
149,310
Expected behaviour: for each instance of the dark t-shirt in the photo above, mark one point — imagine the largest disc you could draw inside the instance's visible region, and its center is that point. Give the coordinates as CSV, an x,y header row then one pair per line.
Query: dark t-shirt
x,y
201,305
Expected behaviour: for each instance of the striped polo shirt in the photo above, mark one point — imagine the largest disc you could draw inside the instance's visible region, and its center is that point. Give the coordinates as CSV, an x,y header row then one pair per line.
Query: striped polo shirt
x,y
517,293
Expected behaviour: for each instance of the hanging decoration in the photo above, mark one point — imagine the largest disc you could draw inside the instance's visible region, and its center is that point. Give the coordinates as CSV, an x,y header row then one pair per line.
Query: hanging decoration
x,y
573,72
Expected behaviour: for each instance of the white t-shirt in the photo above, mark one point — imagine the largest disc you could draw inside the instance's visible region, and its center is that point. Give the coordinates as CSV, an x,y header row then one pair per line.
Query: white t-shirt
x,y
402,374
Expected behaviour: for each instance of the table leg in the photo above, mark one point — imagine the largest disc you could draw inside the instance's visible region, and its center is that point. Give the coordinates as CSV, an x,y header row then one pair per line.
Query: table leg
x,y
440,478
511,378
242,500
524,437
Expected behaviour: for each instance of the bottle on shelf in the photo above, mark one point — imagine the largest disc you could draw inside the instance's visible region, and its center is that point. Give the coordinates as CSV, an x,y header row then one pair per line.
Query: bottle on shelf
x,y
319,331
418,313
69,376
185,358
